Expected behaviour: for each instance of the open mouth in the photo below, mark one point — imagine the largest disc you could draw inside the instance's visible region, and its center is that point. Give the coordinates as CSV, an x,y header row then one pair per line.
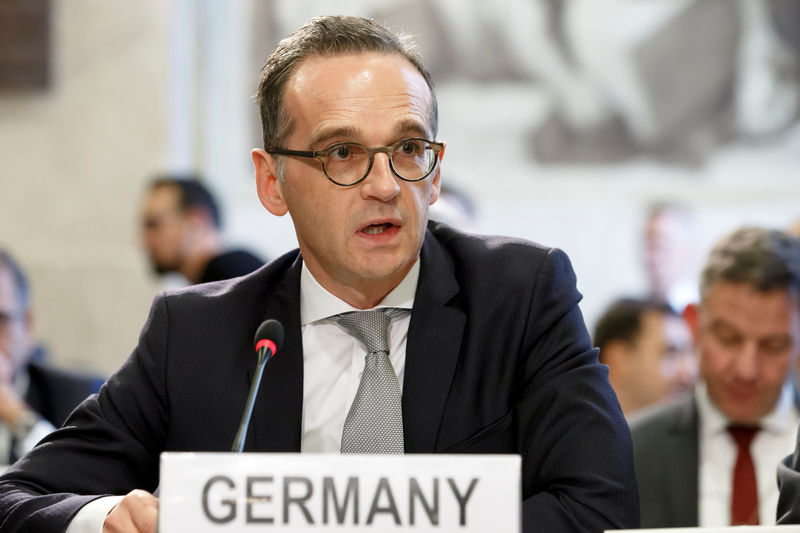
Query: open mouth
x,y
377,229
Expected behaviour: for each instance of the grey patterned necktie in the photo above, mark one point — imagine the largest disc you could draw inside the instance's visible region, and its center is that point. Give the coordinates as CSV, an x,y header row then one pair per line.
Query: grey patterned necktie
x,y
375,421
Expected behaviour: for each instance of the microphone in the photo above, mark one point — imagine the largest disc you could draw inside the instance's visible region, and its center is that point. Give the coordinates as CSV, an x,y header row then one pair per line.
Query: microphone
x,y
269,337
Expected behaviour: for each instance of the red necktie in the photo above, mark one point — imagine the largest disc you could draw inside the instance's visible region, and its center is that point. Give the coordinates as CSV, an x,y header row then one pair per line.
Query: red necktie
x,y
744,499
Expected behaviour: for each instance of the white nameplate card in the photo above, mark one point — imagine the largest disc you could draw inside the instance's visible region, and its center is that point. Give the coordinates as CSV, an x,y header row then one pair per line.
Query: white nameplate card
x,y
205,492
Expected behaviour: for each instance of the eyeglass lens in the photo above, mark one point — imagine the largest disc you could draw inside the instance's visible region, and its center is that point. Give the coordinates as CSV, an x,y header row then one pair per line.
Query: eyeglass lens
x,y
411,159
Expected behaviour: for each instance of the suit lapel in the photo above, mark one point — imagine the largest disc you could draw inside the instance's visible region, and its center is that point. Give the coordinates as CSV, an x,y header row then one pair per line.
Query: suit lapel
x,y
276,425
434,340
683,471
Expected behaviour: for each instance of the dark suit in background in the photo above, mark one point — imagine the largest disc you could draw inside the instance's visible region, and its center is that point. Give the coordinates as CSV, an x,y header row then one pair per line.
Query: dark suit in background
x,y
230,264
665,454
54,393
498,360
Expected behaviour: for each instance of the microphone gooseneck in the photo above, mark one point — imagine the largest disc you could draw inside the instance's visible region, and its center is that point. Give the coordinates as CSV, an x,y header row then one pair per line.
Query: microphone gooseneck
x,y
268,338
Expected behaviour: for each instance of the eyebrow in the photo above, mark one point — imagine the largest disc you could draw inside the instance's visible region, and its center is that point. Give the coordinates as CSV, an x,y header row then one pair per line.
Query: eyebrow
x,y
324,135
403,127
409,125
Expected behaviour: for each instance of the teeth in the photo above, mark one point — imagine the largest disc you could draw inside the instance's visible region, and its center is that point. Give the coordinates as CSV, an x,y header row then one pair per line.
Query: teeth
x,y
375,229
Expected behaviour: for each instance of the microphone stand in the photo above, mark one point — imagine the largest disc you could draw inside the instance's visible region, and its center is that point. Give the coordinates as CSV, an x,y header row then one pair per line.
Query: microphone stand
x,y
264,353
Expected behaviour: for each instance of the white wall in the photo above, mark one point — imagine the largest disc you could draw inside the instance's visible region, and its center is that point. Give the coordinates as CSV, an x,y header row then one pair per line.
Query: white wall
x,y
74,160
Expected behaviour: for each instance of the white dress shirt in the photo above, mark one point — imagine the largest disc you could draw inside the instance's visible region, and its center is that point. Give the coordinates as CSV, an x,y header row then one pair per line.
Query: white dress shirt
x,y
332,364
717,456
333,359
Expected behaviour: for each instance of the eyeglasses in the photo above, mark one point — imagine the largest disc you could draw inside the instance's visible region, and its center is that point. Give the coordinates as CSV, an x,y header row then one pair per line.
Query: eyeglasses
x,y
346,164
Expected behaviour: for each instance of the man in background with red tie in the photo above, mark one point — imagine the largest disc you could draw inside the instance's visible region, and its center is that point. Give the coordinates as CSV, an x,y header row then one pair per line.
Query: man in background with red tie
x,y
710,460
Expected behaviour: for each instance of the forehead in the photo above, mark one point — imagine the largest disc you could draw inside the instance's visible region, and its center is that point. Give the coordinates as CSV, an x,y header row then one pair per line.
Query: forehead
x,y
749,309
162,198
652,324
358,92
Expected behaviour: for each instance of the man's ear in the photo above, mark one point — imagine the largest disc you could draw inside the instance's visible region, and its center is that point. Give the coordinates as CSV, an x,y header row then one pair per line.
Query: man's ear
x,y
267,183
436,180
692,319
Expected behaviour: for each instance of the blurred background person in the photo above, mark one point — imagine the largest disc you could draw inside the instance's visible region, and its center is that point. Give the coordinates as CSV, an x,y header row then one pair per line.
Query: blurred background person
x,y
711,460
181,232
648,350
34,397
795,229
669,254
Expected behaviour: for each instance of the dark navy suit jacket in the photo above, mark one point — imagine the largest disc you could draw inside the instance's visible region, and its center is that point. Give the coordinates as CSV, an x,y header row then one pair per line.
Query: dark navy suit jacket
x,y
498,361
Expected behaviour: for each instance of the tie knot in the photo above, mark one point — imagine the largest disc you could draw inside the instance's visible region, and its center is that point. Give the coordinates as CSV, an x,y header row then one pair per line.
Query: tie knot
x,y
370,327
743,435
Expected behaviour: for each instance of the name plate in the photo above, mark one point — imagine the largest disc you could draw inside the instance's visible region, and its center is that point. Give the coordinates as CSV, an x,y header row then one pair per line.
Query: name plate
x,y
204,492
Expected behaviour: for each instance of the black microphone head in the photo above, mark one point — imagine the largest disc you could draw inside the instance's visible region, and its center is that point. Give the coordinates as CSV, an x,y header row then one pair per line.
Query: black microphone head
x,y
271,330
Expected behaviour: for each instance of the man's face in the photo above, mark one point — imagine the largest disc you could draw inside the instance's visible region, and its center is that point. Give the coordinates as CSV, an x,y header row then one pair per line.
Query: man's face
x,y
367,236
163,229
662,356
14,328
666,249
747,341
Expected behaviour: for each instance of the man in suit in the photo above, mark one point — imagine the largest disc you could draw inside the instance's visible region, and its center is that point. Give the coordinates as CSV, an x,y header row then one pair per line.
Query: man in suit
x,y
487,340
710,460
35,398
181,232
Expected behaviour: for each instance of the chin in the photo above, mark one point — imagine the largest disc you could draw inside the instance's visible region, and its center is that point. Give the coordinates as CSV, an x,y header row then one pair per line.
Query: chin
x,y
378,266
739,417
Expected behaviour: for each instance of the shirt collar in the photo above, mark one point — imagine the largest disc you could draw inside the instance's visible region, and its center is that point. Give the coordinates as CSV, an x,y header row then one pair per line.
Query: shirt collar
x,y
316,303
776,421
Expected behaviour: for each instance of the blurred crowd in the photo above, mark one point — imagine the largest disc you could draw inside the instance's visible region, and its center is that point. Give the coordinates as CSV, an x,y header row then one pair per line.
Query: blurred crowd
x,y
706,371
181,235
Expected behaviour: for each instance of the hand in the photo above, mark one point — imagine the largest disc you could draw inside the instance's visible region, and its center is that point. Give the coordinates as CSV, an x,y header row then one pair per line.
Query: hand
x,y
136,513
12,405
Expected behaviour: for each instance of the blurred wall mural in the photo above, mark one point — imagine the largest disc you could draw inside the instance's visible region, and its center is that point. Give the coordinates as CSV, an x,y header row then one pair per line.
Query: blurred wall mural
x,y
671,80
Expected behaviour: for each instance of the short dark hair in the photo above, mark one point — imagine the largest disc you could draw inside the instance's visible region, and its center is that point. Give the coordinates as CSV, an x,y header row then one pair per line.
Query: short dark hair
x,y
327,37
192,193
19,277
765,259
622,320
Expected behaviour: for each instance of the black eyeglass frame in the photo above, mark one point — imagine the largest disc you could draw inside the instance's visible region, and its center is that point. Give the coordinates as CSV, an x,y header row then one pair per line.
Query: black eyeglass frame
x,y
320,156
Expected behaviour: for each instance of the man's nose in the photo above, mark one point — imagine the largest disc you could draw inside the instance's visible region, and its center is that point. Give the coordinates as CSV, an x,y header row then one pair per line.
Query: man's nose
x,y
746,362
381,183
